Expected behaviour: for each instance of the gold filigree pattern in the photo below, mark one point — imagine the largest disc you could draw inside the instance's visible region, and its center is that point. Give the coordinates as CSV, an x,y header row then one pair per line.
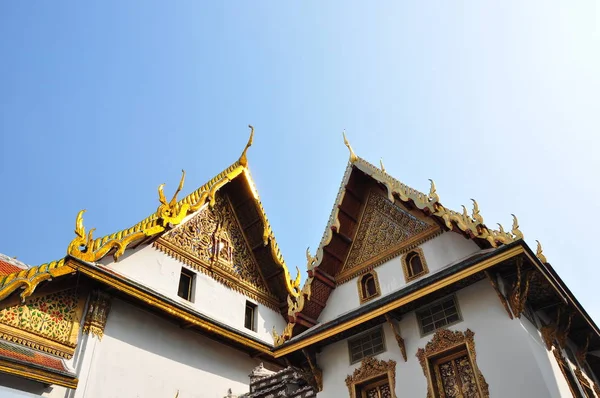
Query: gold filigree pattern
x,y
97,314
213,243
446,340
371,368
49,323
517,296
385,231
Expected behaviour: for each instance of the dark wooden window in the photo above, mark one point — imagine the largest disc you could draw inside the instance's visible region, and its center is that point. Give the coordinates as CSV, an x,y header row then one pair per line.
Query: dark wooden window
x,y
374,388
438,315
250,316
369,288
366,345
415,265
186,282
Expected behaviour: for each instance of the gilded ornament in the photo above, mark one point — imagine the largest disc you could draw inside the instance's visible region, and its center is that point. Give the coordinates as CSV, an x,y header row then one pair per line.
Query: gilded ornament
x,y
97,314
581,354
517,234
519,290
494,283
433,196
353,157
445,340
563,333
243,159
476,214
549,331
369,368
397,335
28,279
381,164
539,253
315,371
48,323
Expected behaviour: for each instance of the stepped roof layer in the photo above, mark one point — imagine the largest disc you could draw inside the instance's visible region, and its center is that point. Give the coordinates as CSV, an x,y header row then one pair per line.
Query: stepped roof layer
x,y
10,265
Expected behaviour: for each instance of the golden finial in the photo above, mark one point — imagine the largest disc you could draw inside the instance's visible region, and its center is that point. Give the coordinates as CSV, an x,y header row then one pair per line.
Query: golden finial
x,y
539,253
243,159
168,209
433,196
515,228
476,215
353,157
381,164
501,229
310,260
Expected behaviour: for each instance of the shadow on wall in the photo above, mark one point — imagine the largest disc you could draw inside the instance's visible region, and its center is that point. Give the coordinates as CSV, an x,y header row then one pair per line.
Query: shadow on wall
x,y
17,387
136,327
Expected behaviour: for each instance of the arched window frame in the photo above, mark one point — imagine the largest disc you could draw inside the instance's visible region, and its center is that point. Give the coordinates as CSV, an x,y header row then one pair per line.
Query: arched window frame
x,y
408,276
361,286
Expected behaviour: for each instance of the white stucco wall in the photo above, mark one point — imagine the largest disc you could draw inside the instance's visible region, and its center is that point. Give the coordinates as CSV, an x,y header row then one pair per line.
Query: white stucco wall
x,y
153,268
510,355
439,252
142,355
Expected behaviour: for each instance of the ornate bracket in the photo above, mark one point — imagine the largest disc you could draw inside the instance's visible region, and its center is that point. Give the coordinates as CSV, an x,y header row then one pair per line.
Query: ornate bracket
x,y
494,282
399,339
370,368
445,340
316,372
98,309
519,290
581,354
549,332
562,333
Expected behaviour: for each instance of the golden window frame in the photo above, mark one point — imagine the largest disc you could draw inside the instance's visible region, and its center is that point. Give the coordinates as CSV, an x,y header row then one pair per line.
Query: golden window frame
x,y
405,265
370,368
446,341
359,282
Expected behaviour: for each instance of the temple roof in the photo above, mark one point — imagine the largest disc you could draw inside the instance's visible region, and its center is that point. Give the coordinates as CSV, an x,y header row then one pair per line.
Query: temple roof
x,y
39,365
8,265
327,268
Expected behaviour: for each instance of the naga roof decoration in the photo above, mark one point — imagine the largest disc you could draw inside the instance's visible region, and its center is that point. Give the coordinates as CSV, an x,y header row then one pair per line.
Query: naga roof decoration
x,y
168,215
472,225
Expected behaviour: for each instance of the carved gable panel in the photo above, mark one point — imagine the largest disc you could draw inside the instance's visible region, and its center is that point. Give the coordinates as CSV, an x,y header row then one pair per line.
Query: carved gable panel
x,y
49,323
213,242
385,230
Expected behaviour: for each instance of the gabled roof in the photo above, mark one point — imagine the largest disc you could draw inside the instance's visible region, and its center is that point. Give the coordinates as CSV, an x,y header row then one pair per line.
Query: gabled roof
x,y
342,227
169,214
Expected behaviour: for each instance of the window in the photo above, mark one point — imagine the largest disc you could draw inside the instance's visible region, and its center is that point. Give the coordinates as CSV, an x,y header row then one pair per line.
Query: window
x,y
368,287
186,281
438,315
366,345
250,316
414,265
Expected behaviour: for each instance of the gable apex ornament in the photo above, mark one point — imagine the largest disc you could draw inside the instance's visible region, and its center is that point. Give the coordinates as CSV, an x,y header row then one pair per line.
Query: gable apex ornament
x,y
353,157
243,159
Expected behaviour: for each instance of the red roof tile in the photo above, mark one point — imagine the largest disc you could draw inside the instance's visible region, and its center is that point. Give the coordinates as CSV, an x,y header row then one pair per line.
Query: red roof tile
x,y
7,268
27,355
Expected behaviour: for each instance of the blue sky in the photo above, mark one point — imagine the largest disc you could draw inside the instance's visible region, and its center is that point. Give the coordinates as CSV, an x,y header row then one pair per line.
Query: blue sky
x,y
498,101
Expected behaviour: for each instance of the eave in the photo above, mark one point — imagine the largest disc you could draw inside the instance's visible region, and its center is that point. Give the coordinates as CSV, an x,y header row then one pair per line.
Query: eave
x,y
185,315
16,368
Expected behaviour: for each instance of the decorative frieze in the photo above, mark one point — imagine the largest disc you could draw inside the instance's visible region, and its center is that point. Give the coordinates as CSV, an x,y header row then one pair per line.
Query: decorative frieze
x,y
98,309
49,323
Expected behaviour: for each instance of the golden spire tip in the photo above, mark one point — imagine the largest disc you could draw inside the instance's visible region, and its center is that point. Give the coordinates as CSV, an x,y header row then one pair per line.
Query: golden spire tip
x,y
243,159
353,157
381,164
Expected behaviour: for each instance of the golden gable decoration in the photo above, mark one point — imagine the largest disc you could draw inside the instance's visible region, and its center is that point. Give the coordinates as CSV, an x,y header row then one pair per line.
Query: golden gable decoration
x,y
97,314
385,230
49,323
212,242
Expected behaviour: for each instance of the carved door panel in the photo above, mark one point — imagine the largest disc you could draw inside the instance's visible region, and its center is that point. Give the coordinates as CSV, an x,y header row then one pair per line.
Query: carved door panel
x,y
455,378
380,389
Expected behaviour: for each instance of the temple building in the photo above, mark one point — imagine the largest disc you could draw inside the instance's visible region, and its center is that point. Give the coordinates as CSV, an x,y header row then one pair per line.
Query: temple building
x,y
403,298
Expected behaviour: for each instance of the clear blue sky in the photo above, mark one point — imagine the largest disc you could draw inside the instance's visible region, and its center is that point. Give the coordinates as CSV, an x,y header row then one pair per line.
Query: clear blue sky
x,y
496,101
